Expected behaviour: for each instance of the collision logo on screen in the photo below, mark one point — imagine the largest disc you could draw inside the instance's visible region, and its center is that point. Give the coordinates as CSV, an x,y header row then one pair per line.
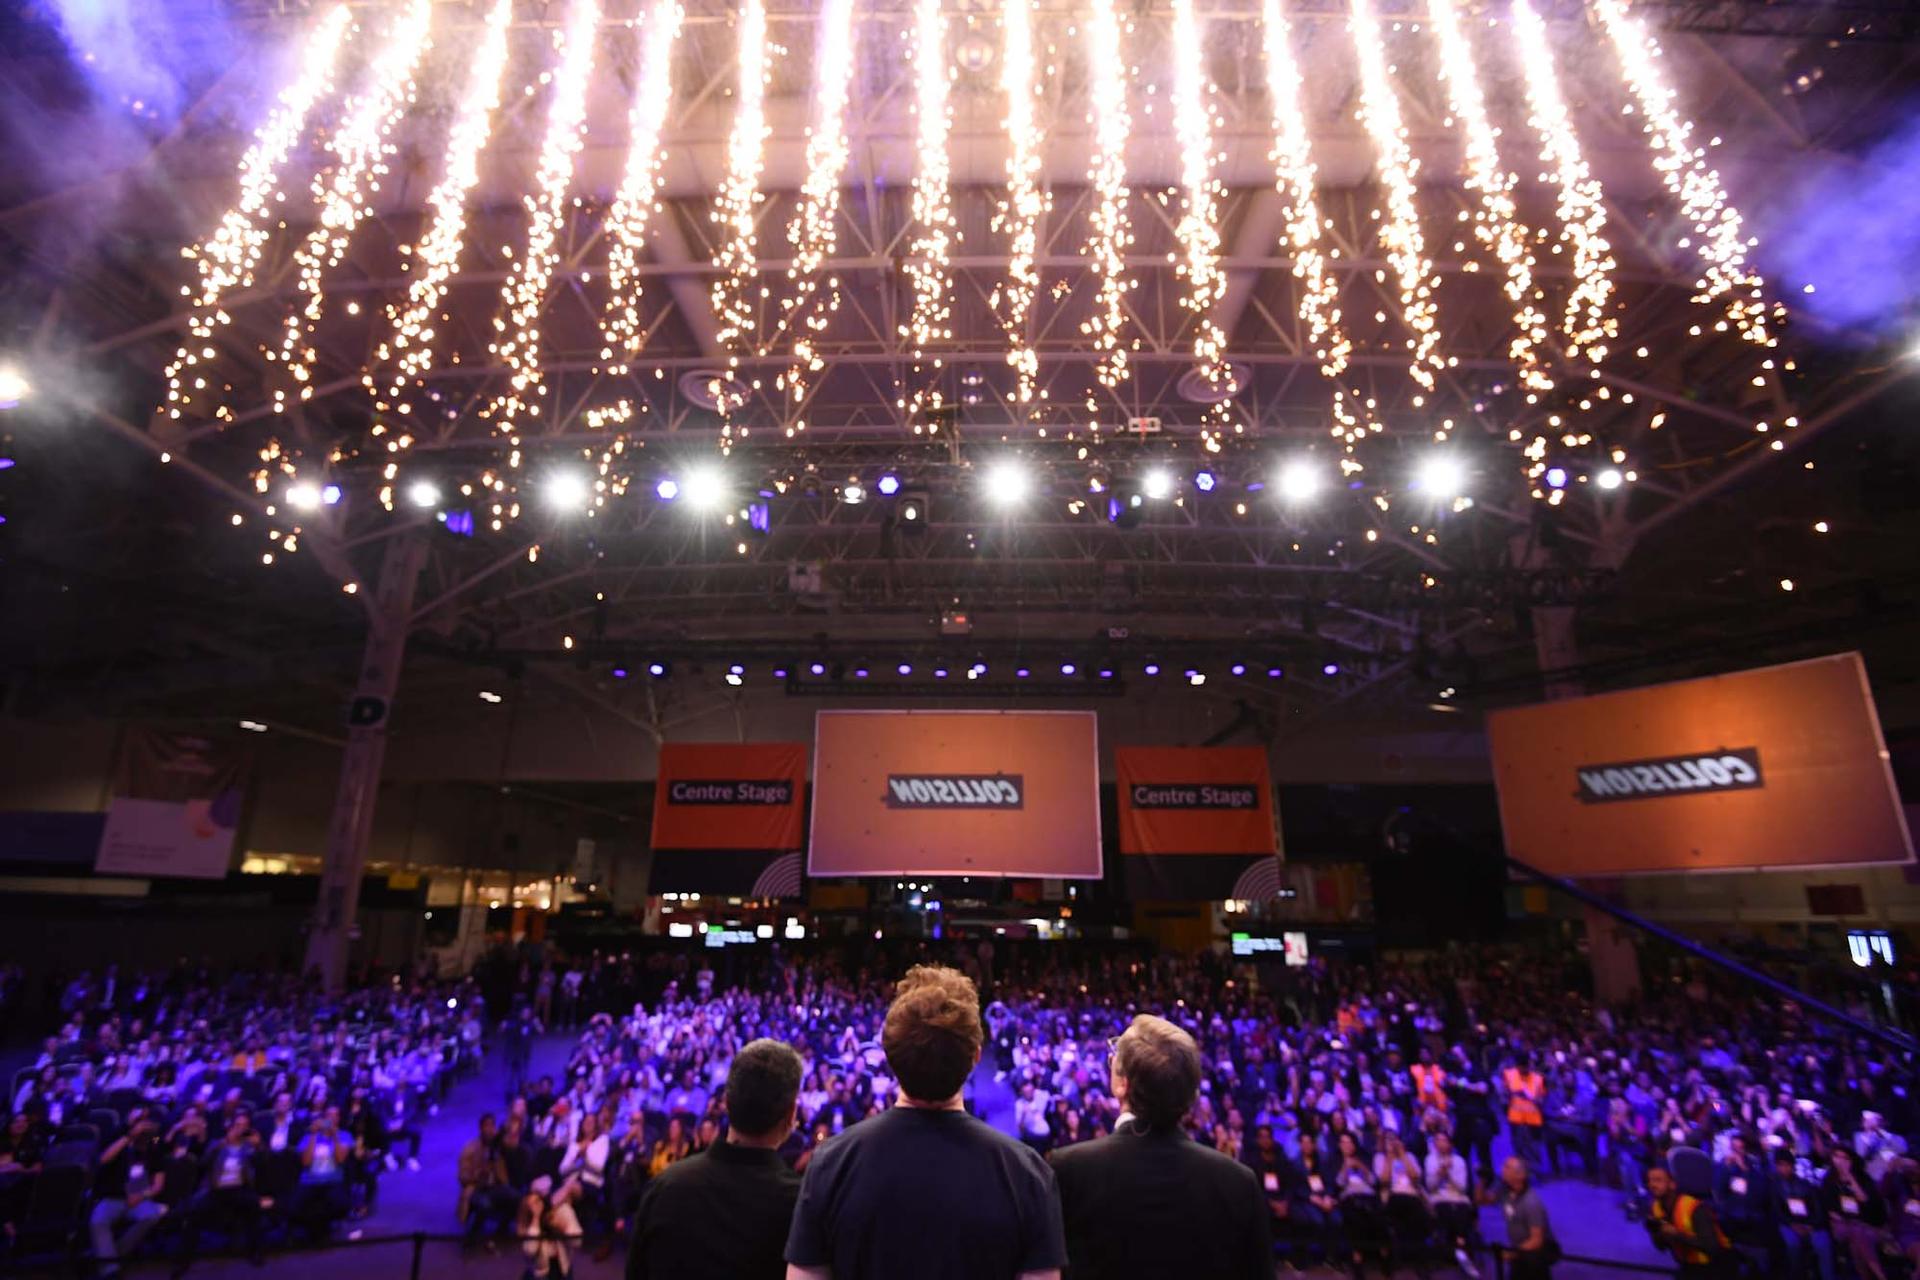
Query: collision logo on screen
x,y
956,791
1193,795
1734,769
767,791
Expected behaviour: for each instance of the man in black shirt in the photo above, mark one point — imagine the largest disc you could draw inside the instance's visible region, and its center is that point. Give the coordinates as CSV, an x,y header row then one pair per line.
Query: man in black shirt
x,y
924,1189
724,1214
1148,1201
125,1188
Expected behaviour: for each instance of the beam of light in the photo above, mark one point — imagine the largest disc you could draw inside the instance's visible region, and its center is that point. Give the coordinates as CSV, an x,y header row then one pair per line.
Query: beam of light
x,y
1583,217
1497,223
360,149
1728,279
1111,231
227,259
1400,221
1018,214
626,225
928,262
736,209
806,312
1199,227
436,258
1295,178
518,327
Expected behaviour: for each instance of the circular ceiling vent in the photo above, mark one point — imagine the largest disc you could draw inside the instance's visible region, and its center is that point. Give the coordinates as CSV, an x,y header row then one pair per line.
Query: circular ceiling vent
x,y
1194,386
698,386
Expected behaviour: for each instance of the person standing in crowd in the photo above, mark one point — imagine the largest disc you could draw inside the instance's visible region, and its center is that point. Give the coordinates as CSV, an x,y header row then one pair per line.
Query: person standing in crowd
x,y
1531,1248
924,1189
1684,1227
1525,1092
1856,1214
519,1034
1147,1202
1470,1098
724,1214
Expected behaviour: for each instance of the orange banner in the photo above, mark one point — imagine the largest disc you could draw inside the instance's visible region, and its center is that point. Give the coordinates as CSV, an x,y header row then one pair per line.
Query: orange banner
x,y
1779,767
978,793
726,795
1194,800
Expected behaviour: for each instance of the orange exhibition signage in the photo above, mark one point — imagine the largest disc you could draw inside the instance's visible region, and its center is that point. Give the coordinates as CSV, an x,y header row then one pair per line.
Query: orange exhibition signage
x,y
982,793
1778,767
1194,800
728,795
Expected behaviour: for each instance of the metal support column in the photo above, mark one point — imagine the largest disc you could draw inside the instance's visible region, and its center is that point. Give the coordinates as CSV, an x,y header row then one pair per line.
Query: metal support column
x,y
351,827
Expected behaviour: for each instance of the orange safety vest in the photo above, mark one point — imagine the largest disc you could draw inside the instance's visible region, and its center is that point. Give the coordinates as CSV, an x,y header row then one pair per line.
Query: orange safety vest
x,y
1428,1083
1523,1097
1682,1218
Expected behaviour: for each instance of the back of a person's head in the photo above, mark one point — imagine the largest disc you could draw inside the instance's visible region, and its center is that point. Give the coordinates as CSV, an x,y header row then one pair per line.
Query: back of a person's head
x,y
1161,1065
762,1084
933,1034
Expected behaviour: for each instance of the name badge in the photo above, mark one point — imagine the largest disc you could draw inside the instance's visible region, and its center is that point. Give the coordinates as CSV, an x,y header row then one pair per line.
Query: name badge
x,y
1507,1208
1271,1182
1679,1135
1849,1205
1316,1182
1913,1207
136,1172
1739,1186
1796,1206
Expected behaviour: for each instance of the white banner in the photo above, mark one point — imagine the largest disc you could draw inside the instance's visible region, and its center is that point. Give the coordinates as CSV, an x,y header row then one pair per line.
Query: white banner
x,y
164,838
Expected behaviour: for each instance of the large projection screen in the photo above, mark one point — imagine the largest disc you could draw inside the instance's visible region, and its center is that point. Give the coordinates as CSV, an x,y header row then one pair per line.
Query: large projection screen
x,y
1780,767
969,793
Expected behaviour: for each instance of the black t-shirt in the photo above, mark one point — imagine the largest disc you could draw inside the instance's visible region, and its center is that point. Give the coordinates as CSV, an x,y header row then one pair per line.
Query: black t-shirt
x,y
722,1214
144,1157
936,1195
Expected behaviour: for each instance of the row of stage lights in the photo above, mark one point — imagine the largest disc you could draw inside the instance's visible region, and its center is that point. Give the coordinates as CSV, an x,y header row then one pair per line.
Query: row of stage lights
x,y
737,673
1006,483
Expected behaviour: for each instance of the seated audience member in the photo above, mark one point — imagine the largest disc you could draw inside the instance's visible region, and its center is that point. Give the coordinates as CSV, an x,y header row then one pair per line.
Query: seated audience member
x,y
125,1188
485,1196
227,1200
1684,1226
1806,1245
1363,1217
321,1198
924,1189
1531,1249
725,1213
1449,1192
673,1145
1856,1214
1148,1202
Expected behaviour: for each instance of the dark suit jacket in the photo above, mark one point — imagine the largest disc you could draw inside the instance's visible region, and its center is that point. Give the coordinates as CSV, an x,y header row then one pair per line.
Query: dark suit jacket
x,y
1144,1205
722,1214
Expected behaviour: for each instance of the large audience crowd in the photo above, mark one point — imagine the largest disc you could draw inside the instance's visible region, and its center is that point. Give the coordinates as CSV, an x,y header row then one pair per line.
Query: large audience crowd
x,y
1366,1099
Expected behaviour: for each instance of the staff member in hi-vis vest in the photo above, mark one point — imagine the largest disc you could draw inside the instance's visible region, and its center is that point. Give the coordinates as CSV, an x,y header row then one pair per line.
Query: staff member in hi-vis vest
x,y
1685,1227
1525,1091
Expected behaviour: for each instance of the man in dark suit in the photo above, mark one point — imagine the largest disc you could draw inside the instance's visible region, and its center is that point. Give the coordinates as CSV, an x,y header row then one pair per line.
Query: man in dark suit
x,y
1148,1201
725,1212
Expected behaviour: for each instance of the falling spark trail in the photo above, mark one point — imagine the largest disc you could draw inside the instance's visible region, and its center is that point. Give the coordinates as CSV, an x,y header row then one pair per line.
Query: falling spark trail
x,y
1400,224
928,257
437,256
1019,213
1112,229
526,289
737,208
1199,227
633,209
228,258
812,233
1582,213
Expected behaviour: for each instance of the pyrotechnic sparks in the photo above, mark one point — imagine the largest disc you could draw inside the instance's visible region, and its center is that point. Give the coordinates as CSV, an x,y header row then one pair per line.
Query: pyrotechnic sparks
x,y
1583,216
1295,177
806,312
1019,213
1717,229
736,209
1112,228
1400,221
526,287
227,259
633,208
1199,226
360,149
436,258
1497,223
928,266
